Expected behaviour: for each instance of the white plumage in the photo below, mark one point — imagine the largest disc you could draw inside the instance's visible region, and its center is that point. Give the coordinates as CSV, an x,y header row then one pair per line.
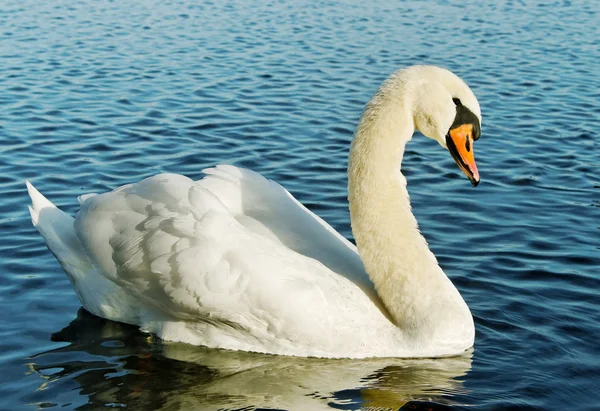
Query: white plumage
x,y
215,272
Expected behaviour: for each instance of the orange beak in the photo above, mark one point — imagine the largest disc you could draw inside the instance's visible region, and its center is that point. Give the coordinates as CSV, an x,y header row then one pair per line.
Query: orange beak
x,y
460,144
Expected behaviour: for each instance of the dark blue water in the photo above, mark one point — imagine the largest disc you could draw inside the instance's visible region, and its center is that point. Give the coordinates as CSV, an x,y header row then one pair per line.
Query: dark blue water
x,y
96,94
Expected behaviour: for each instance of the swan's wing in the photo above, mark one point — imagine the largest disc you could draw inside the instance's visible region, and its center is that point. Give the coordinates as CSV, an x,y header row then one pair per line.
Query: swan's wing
x,y
266,207
171,243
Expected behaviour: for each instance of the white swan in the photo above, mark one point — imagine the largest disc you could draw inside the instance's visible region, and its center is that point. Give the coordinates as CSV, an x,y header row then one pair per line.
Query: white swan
x,y
234,261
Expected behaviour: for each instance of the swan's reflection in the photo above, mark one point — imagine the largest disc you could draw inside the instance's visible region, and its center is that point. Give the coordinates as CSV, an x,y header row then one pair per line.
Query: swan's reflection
x,y
116,364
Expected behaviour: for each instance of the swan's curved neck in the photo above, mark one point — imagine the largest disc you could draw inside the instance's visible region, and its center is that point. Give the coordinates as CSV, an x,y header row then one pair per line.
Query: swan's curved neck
x,y
408,279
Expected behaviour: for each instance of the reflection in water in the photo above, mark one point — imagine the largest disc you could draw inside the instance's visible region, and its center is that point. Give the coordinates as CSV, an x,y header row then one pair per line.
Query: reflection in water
x,y
118,365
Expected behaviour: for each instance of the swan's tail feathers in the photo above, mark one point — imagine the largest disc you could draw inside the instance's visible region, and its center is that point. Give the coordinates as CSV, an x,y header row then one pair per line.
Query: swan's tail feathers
x,y
57,228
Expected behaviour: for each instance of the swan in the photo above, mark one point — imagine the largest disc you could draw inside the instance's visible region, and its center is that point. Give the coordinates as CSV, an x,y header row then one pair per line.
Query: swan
x,y
234,261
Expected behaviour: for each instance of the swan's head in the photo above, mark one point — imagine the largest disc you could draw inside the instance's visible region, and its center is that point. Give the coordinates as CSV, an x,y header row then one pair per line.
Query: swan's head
x,y
445,109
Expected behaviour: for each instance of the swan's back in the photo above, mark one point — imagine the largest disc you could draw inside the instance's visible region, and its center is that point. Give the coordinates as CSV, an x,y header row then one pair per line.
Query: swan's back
x,y
267,207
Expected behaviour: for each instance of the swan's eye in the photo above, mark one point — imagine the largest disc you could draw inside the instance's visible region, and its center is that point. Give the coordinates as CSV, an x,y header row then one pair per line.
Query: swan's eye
x,y
457,101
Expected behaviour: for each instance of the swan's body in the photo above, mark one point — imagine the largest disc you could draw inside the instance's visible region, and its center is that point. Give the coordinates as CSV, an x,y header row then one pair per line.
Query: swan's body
x,y
234,261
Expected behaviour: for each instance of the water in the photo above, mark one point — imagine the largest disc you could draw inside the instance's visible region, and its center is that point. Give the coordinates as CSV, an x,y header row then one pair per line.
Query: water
x,y
96,94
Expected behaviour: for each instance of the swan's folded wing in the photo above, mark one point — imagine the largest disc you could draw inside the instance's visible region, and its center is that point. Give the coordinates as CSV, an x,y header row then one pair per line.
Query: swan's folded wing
x,y
135,232
172,244
266,207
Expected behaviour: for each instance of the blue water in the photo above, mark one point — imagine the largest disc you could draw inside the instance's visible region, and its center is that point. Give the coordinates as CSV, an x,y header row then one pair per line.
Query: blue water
x,y
96,94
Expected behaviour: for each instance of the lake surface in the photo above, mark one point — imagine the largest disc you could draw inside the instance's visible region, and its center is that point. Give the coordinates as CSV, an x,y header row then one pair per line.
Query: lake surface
x,y
97,94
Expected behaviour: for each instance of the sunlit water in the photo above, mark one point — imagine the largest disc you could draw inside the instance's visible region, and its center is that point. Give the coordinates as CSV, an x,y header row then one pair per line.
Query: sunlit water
x,y
96,94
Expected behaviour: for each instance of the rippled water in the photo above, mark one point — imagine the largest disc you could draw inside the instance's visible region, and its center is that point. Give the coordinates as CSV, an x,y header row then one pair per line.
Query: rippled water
x,y
96,94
